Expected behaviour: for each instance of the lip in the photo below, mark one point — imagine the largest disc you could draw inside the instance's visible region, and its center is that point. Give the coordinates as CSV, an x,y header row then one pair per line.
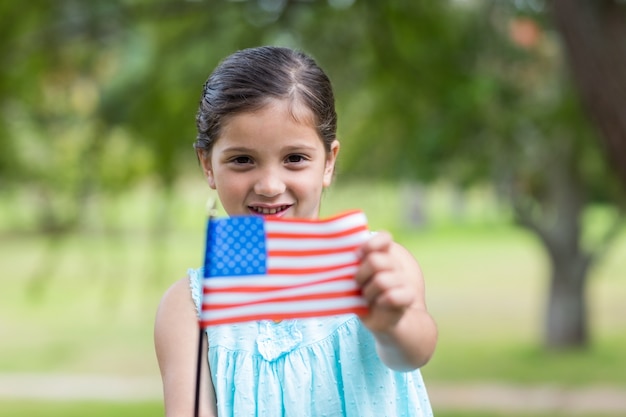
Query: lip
x,y
274,210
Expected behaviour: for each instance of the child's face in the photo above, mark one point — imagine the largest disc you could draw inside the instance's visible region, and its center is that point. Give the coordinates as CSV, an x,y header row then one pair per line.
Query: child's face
x,y
267,163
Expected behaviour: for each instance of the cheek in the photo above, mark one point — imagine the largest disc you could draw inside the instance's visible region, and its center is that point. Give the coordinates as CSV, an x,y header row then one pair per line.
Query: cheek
x,y
307,184
230,186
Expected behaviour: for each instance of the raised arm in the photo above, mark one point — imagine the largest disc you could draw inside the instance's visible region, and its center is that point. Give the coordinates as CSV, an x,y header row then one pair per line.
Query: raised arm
x,y
176,343
392,283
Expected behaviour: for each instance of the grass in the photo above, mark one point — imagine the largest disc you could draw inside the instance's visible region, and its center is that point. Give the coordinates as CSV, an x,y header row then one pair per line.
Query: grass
x,y
86,303
102,409
507,414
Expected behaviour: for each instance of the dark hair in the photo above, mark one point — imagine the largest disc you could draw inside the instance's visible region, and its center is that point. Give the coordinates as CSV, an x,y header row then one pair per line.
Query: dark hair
x,y
247,79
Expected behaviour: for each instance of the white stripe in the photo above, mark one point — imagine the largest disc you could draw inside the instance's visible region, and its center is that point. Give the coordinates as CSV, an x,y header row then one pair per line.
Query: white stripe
x,y
316,261
289,307
355,239
278,280
252,296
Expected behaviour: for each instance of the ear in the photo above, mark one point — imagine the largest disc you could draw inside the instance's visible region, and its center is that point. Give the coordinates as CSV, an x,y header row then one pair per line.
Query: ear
x,y
329,168
205,161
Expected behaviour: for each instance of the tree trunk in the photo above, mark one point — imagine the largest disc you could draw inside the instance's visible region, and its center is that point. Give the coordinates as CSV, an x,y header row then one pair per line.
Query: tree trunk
x,y
560,230
554,214
566,321
594,39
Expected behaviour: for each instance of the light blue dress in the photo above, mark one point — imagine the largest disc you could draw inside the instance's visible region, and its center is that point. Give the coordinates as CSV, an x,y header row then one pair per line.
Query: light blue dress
x,y
306,368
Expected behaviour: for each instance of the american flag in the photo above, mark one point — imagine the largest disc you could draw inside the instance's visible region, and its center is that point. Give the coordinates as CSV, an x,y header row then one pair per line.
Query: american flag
x,y
269,268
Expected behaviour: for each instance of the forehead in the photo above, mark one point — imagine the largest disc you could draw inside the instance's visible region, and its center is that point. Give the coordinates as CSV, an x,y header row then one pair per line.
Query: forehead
x,y
273,113
292,107
276,121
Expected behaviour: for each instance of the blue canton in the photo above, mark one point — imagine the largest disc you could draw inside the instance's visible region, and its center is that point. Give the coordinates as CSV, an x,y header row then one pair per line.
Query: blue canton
x,y
235,247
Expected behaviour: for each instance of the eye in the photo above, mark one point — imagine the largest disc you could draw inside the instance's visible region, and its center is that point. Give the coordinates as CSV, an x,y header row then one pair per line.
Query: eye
x,y
295,158
241,160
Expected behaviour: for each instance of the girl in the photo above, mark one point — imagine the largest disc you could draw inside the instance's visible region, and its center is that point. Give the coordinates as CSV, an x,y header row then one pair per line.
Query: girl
x,y
266,142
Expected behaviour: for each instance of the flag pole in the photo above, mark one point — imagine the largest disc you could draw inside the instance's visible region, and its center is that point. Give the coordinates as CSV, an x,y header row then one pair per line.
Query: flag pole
x,y
211,207
196,407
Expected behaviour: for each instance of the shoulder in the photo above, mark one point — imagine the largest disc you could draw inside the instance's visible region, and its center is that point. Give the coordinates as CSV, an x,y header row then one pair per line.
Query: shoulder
x,y
178,292
176,321
176,304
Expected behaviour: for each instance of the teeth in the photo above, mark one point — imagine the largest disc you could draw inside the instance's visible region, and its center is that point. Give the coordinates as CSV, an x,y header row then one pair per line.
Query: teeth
x,y
266,210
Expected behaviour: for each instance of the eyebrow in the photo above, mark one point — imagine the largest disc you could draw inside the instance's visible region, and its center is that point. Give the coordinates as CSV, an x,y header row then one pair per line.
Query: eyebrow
x,y
237,149
295,148
291,148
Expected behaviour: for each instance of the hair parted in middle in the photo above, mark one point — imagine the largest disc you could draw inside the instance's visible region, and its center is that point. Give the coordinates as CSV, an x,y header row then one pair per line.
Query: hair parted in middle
x,y
248,79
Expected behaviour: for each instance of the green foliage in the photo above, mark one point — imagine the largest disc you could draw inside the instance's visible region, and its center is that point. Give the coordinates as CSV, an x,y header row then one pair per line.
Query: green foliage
x,y
420,93
97,97
105,95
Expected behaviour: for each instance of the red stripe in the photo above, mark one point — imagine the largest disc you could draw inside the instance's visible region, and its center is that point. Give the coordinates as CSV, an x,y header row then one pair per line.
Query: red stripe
x,y
311,252
309,235
302,271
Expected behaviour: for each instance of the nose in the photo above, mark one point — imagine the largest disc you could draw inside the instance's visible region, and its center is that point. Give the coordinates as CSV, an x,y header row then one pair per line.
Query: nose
x,y
269,184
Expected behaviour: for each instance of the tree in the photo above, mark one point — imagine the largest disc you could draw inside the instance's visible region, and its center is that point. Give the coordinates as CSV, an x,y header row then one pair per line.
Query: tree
x,y
460,96
559,179
594,39
104,95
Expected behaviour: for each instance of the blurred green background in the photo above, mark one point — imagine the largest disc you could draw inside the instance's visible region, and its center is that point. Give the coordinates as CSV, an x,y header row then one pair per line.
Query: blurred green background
x,y
463,133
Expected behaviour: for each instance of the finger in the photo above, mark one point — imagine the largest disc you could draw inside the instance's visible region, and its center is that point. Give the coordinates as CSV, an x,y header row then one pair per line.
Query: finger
x,y
372,264
381,241
378,287
398,297
374,288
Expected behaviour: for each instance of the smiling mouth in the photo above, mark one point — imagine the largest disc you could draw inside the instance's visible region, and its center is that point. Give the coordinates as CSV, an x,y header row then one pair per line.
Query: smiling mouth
x,y
268,211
